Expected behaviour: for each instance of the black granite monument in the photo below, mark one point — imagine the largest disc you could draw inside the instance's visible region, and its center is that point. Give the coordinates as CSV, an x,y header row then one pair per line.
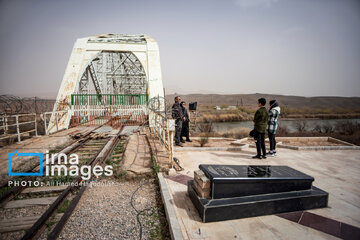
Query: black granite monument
x,y
239,191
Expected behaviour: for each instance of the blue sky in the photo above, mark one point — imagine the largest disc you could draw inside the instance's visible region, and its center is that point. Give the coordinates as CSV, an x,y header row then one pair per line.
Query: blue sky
x,y
291,47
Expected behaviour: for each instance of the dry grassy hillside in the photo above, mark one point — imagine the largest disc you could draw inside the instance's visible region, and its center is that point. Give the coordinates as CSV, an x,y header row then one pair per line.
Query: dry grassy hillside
x,y
287,101
291,106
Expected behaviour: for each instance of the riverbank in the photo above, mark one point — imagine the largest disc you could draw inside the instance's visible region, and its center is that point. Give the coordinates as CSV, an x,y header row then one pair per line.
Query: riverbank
x,y
235,116
344,129
291,125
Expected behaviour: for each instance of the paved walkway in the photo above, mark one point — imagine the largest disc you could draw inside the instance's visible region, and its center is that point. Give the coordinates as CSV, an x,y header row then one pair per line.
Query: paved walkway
x,y
137,156
337,172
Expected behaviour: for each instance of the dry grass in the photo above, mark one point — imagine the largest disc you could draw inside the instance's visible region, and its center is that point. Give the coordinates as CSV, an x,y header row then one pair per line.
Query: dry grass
x,y
237,133
225,116
208,114
205,127
291,106
346,130
204,139
300,126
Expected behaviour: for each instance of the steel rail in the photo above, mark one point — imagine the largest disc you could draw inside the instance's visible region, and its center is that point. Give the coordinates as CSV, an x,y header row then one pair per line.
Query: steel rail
x,y
104,154
8,195
33,232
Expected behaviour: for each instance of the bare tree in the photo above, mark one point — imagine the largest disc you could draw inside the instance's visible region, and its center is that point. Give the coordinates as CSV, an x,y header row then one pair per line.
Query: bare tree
x,y
300,126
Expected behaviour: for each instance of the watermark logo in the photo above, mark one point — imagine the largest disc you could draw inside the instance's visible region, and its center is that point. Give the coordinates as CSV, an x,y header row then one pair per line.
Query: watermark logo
x,y
59,164
15,154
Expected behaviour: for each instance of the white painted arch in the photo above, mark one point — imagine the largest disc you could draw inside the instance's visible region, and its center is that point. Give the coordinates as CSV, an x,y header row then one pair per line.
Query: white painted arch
x,y
86,49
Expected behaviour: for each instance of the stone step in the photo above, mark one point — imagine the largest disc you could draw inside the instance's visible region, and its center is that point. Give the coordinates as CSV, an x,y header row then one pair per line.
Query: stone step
x,y
212,210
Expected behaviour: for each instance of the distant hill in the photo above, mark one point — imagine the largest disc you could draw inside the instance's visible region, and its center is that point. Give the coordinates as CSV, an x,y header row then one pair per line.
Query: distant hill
x,y
287,101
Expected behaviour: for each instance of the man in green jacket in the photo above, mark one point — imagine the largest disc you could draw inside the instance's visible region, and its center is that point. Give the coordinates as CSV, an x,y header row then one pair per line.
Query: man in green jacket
x,y
260,123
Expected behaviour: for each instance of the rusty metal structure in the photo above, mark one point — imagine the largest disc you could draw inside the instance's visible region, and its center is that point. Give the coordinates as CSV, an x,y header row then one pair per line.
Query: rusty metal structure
x,y
110,79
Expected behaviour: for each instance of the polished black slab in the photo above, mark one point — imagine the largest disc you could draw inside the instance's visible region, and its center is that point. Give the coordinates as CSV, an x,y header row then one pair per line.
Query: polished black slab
x,y
229,181
212,210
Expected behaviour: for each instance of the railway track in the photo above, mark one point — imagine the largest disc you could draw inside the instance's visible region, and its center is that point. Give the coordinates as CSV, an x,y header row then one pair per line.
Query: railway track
x,y
28,211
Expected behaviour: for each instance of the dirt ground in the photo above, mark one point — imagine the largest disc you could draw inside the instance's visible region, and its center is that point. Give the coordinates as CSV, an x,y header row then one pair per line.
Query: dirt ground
x,y
300,143
311,143
211,143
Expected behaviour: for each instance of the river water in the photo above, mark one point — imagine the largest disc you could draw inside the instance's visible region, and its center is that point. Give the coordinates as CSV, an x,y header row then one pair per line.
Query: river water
x,y
290,124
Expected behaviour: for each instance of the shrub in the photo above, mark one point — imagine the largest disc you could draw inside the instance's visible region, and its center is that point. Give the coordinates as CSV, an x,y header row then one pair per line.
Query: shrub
x,y
205,127
318,128
300,126
327,128
347,127
204,139
282,131
237,133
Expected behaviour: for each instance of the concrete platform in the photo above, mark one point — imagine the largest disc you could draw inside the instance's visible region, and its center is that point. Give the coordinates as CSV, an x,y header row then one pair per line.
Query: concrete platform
x,y
336,171
137,157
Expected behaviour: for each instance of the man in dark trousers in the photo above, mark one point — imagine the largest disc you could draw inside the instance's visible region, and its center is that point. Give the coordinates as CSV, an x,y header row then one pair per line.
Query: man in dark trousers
x,y
177,114
185,126
260,123
274,113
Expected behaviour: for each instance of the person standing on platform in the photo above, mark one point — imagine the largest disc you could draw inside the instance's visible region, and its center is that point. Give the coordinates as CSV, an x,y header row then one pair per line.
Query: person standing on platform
x,y
274,113
178,115
260,123
185,126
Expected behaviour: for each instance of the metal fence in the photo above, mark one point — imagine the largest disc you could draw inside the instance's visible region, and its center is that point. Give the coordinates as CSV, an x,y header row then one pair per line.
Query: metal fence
x,y
17,126
47,118
112,109
114,116
109,99
163,128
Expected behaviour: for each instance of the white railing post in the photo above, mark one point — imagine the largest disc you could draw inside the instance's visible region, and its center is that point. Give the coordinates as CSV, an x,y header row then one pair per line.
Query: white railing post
x,y
57,121
3,121
164,129
88,113
72,114
6,125
36,133
45,124
17,128
163,134
171,129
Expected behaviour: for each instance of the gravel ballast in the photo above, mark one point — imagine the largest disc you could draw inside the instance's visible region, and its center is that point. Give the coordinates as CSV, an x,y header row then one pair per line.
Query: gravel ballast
x,y
105,211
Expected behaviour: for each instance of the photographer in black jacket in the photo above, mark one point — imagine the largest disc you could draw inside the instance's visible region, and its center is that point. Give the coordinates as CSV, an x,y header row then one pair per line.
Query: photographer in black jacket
x,y
185,125
177,114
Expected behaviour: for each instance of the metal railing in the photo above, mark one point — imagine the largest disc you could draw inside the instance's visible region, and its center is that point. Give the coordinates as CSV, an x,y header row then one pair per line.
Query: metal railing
x,y
115,116
109,99
164,129
112,115
17,125
47,116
